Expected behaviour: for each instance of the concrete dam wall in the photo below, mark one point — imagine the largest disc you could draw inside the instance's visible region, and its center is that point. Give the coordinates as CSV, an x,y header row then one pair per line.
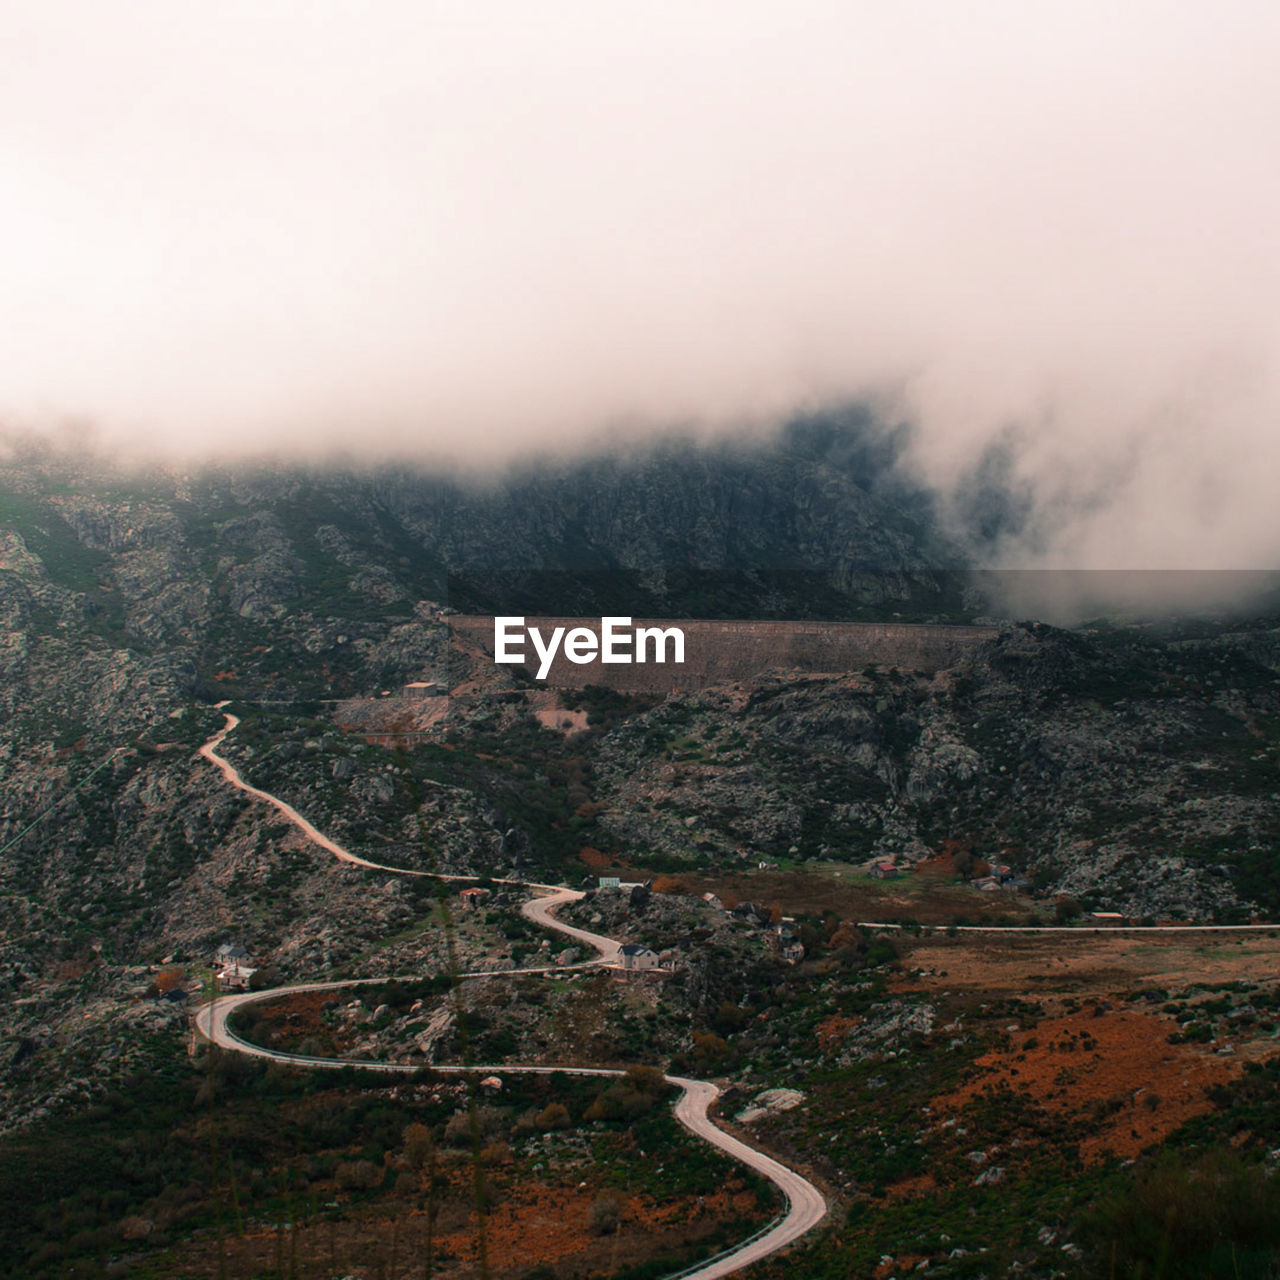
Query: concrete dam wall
x,y
722,652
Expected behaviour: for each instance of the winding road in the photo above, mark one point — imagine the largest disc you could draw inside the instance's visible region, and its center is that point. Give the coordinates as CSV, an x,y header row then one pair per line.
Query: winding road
x,y
805,1204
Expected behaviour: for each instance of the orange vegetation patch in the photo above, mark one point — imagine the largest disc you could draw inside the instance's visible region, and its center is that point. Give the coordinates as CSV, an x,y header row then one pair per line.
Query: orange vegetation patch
x,y
732,1200
305,1008
542,1225
669,884
1117,1070
832,1031
942,866
531,1224
169,980
911,1188
297,1017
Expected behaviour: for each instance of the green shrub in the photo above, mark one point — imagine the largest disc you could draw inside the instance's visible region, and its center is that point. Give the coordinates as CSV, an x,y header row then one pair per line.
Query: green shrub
x,y
1217,1215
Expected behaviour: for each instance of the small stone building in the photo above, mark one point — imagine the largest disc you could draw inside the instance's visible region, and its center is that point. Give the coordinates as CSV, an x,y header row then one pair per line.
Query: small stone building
x,y
233,967
635,956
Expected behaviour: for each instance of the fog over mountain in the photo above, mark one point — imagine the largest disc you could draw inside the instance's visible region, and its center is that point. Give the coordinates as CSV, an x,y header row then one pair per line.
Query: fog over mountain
x,y
1040,236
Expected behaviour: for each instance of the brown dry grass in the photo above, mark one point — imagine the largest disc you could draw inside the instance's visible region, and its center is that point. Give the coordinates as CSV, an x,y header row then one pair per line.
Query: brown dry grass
x,y
830,1032
1087,963
1116,1070
297,1017
549,1225
533,1223
929,897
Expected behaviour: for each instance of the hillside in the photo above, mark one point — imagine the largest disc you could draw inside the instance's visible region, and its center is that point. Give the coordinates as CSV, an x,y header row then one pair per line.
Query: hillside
x,y
1121,768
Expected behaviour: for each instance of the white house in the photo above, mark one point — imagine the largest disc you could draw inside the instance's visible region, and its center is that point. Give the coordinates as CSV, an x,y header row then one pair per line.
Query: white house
x,y
234,969
235,976
635,956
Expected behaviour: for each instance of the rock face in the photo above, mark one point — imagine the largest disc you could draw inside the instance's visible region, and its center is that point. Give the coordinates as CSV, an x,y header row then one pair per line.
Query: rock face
x,y
770,1102
1127,772
800,507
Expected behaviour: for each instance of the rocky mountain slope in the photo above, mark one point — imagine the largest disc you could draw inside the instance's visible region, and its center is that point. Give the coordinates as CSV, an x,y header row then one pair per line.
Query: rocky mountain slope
x,y
1130,769
1135,774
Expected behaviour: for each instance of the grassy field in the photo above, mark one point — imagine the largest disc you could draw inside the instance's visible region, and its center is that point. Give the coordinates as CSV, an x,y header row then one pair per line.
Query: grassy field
x,y
932,898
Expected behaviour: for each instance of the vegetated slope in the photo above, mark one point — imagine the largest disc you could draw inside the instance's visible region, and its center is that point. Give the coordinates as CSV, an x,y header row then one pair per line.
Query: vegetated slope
x,y
1135,772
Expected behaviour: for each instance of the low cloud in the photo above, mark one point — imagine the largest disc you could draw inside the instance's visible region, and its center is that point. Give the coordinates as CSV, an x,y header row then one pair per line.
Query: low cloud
x,y
1044,236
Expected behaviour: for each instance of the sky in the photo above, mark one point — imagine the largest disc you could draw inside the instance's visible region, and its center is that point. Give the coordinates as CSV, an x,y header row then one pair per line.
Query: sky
x,y
1040,233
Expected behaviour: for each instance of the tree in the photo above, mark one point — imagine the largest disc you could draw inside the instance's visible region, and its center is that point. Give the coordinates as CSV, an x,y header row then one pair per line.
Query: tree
x,y
710,1050
554,1116
264,979
168,980
418,1145
1065,910
458,1131
648,1080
